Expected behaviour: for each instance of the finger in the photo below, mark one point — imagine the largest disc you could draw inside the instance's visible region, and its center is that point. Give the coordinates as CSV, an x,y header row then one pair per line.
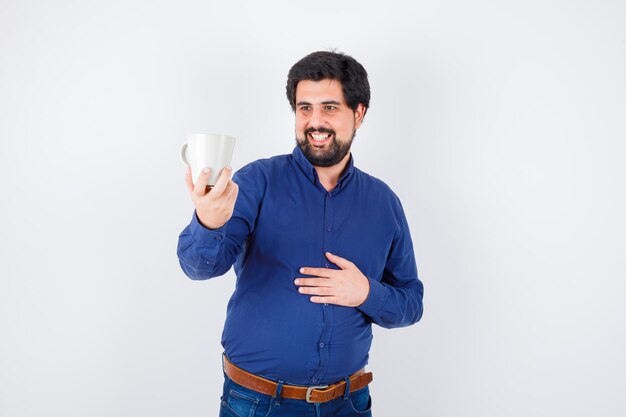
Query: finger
x,y
200,188
234,191
312,282
230,188
222,182
188,181
315,290
227,194
339,261
324,300
319,272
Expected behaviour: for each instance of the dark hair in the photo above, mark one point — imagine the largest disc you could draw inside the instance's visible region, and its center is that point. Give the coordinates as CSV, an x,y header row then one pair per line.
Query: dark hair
x,y
335,66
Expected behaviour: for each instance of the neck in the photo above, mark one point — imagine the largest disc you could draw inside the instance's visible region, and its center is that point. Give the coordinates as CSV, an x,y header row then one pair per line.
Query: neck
x,y
329,176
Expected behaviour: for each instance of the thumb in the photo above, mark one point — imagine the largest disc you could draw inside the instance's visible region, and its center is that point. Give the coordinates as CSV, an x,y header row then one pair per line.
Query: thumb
x,y
339,261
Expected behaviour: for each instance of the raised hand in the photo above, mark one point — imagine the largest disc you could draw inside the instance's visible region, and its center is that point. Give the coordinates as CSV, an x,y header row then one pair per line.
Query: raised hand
x,y
214,205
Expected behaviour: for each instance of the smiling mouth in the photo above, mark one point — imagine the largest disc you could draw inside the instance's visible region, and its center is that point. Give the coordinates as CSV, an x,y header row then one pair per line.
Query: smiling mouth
x,y
319,138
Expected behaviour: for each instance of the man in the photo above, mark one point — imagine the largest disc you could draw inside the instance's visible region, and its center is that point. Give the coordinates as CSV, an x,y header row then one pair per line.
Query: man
x,y
321,250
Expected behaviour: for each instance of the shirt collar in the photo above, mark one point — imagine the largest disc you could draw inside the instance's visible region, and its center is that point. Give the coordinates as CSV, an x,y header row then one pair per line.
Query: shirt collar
x,y
309,170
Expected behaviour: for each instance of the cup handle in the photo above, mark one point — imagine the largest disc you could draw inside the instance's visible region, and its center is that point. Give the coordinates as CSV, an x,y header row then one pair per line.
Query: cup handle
x,y
183,154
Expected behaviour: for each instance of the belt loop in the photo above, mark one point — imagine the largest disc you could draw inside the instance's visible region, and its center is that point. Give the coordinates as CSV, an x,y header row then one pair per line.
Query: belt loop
x,y
346,394
278,396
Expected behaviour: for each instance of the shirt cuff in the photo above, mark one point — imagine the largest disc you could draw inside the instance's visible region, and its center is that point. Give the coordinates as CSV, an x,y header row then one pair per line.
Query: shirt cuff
x,y
210,240
375,299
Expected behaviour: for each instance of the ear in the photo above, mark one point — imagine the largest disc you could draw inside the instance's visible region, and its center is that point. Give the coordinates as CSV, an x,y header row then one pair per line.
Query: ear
x,y
359,113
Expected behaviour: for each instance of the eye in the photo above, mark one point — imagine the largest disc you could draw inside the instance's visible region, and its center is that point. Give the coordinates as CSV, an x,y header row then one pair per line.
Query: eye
x,y
305,108
330,107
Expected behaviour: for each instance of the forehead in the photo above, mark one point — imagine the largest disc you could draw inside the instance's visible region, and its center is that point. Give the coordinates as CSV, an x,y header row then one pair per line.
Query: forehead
x,y
319,91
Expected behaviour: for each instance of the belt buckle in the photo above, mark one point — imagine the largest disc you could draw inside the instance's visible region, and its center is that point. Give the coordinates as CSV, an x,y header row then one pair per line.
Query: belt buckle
x,y
309,389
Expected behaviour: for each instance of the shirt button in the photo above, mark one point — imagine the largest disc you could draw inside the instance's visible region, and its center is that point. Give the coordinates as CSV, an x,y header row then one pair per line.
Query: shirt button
x,y
321,345
219,237
328,228
327,265
314,380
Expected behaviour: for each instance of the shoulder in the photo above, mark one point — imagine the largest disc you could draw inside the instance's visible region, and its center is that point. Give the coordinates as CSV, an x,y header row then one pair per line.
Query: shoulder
x,y
377,187
265,164
379,196
382,199
262,169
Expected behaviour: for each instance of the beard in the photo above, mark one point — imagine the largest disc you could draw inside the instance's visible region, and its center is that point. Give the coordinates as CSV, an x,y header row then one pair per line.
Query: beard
x,y
324,157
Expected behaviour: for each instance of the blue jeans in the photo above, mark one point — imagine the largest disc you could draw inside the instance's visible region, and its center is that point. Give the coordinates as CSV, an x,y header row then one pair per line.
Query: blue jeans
x,y
238,401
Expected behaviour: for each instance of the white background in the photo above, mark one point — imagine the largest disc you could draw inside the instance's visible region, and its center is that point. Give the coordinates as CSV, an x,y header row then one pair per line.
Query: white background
x,y
501,126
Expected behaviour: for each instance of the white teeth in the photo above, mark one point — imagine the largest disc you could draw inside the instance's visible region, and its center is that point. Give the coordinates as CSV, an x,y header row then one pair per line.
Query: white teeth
x,y
319,137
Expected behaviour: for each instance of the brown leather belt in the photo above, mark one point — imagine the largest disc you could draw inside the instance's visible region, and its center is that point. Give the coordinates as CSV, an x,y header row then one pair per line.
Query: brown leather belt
x,y
314,394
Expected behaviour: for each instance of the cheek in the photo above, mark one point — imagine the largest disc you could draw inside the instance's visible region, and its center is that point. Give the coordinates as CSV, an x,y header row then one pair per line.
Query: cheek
x,y
343,127
300,126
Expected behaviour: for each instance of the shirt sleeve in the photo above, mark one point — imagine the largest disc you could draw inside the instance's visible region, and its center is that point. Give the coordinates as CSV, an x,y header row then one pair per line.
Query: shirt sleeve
x,y
206,253
397,300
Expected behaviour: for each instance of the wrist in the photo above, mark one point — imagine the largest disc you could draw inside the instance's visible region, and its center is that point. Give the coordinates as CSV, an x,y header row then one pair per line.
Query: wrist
x,y
208,223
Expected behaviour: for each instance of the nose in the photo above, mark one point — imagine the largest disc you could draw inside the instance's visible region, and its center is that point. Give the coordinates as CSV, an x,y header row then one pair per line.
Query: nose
x,y
317,117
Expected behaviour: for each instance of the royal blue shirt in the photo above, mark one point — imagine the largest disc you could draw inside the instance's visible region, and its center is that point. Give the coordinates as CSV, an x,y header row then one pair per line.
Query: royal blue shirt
x,y
283,220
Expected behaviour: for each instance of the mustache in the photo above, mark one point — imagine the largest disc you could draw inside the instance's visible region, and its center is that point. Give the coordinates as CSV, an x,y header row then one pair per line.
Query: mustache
x,y
319,129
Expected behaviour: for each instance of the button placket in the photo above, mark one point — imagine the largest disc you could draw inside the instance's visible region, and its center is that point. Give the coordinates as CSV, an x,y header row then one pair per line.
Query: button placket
x,y
327,310
328,220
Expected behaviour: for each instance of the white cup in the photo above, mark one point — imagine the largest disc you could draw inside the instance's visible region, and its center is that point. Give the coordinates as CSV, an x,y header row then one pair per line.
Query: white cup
x,y
207,150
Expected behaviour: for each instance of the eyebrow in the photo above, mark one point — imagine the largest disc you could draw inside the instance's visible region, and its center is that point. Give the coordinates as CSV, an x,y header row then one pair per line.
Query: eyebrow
x,y
302,103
